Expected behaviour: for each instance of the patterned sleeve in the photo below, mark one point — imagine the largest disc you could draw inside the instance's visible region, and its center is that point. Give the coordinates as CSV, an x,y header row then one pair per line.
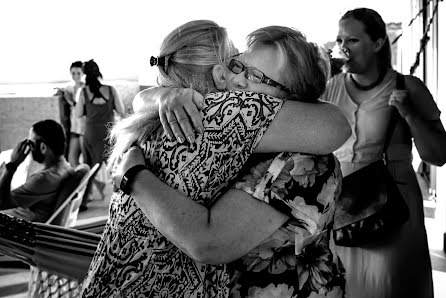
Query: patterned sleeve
x,y
234,122
304,187
299,253
250,110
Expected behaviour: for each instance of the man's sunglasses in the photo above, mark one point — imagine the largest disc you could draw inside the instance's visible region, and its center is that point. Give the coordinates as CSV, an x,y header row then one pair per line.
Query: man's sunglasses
x,y
254,74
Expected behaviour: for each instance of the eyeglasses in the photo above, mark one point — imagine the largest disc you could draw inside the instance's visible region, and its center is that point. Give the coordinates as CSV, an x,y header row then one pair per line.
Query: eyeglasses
x,y
253,74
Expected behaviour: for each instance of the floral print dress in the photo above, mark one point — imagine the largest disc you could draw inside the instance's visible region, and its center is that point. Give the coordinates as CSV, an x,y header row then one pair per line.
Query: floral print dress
x,y
299,259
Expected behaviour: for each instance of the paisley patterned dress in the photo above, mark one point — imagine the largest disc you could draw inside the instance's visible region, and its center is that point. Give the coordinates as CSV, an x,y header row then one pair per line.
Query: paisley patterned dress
x,y
299,259
133,259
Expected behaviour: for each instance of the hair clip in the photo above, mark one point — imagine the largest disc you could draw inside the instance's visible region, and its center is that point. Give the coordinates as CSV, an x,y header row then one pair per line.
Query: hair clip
x,y
157,61
160,61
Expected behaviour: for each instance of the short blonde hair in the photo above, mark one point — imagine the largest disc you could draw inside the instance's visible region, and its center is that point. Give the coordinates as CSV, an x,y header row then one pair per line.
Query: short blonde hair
x,y
307,69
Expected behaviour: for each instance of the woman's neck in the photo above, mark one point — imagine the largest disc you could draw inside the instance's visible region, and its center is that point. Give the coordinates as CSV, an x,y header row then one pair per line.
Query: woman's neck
x,y
78,84
369,80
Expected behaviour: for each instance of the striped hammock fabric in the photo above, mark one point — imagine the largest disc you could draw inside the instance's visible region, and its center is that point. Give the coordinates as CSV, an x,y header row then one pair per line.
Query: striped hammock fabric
x,y
66,252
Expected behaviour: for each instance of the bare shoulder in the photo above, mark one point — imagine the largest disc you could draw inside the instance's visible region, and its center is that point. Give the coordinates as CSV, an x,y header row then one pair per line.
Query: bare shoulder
x,y
416,88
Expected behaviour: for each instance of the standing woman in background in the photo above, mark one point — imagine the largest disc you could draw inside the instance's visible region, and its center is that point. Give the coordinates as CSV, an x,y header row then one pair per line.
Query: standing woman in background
x,y
97,102
76,124
398,266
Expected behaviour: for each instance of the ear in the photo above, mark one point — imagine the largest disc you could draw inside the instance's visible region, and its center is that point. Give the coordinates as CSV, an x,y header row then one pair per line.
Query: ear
x,y
43,147
219,76
379,43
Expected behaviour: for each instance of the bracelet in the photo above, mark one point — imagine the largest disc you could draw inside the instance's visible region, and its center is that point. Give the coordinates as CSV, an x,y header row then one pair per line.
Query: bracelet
x,y
10,166
129,176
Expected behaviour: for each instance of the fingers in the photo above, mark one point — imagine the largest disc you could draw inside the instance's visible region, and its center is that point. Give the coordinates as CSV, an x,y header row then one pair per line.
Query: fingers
x,y
394,102
193,111
174,127
185,125
166,125
179,114
23,147
27,149
197,99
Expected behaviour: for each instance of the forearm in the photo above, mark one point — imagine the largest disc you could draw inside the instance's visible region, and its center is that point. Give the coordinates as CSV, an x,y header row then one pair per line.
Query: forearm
x,y
69,98
306,127
5,189
430,139
79,109
234,226
148,101
177,217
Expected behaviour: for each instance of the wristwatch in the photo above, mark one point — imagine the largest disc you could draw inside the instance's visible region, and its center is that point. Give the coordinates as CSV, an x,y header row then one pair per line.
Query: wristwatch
x,y
128,177
11,166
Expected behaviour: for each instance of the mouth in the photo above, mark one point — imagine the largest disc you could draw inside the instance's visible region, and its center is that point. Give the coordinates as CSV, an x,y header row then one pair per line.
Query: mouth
x,y
344,55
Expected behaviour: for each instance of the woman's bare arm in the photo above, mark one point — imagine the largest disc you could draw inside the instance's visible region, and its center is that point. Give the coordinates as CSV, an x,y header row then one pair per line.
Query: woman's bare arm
x,y
235,225
119,105
429,135
317,128
80,104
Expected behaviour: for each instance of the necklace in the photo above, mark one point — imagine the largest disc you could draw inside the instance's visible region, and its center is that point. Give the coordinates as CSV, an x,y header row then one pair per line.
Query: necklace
x,y
372,85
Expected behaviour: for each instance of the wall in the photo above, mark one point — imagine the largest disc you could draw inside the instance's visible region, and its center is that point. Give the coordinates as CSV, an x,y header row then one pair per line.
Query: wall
x,y
18,113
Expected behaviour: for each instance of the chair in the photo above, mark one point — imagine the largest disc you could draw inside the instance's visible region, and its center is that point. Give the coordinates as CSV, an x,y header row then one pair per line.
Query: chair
x,y
42,283
70,196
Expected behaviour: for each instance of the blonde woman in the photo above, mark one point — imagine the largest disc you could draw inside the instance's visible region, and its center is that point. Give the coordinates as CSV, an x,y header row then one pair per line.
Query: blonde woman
x,y
158,260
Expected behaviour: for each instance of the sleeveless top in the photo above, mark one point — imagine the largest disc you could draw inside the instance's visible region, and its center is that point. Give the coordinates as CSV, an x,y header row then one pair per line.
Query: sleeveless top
x,y
99,114
133,259
369,122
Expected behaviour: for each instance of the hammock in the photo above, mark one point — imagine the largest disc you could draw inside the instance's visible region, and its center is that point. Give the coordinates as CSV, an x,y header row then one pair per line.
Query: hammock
x,y
66,252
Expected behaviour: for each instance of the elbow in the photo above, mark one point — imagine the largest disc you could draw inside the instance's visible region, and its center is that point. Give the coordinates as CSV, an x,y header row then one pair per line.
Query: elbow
x,y
437,161
343,130
137,104
208,254
142,102
340,133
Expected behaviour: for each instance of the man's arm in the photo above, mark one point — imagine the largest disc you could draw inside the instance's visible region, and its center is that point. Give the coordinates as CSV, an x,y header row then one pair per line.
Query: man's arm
x,y
18,155
5,190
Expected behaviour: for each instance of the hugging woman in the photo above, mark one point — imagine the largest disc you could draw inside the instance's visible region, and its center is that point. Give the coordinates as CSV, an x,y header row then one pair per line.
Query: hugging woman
x,y
175,242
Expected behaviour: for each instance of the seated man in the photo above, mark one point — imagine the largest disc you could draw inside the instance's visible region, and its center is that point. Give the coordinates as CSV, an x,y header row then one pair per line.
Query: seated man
x,y
36,199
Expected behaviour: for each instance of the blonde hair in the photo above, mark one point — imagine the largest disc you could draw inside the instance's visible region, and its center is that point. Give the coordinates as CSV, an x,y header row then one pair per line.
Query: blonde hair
x,y
190,51
308,67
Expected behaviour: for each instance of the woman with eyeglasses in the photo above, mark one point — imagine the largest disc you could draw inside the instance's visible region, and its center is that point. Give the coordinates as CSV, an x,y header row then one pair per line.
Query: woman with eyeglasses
x,y
149,249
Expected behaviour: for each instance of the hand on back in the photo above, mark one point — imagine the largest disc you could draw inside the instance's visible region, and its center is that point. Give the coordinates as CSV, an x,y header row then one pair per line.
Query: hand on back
x,y
179,111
